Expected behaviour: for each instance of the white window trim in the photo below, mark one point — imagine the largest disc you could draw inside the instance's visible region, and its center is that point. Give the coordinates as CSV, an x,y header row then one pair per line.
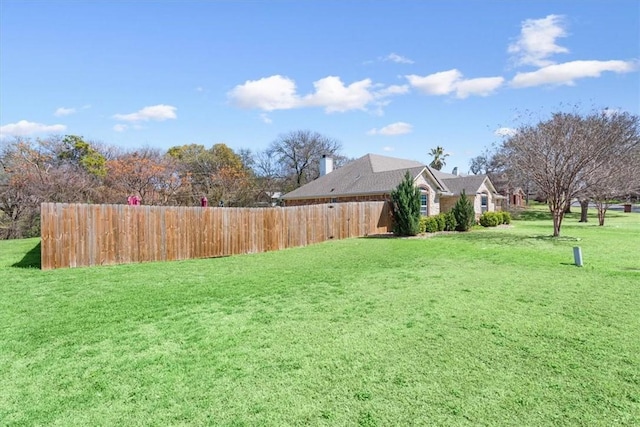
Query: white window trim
x,y
426,193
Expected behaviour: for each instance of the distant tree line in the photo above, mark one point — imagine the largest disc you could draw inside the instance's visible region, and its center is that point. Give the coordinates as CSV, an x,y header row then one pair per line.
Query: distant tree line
x,y
72,169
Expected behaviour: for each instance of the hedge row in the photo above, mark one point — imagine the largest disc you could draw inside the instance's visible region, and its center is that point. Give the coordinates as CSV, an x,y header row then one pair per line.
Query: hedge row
x,y
447,221
493,219
440,222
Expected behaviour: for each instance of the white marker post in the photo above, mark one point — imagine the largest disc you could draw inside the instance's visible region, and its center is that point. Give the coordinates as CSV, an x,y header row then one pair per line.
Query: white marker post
x,y
577,255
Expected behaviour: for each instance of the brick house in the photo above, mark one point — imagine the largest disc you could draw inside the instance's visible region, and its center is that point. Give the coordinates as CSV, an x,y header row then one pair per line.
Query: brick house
x,y
373,177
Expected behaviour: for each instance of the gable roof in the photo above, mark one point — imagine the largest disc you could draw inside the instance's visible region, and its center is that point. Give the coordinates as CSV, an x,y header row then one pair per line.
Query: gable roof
x,y
370,174
469,183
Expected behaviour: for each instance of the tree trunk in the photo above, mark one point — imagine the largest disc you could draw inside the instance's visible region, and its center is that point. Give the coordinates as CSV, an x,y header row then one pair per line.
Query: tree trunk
x,y
558,214
602,211
584,208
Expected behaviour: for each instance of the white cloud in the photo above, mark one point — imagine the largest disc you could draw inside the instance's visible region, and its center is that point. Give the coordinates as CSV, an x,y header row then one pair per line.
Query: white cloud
x,y
269,93
505,131
120,127
392,91
394,57
567,73
388,149
537,41
280,93
441,83
483,86
62,111
24,128
334,96
157,113
451,81
398,128
265,118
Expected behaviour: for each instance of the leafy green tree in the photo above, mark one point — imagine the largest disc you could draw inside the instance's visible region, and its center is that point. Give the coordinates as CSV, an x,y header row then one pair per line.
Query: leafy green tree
x,y
217,173
464,213
439,155
406,208
78,151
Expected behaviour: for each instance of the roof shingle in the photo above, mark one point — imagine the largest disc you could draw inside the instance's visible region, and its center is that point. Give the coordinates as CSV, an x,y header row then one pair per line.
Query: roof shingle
x,y
370,174
375,174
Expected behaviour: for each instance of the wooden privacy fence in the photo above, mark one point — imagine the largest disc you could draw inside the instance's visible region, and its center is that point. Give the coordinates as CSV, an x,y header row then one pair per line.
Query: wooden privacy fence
x,y
75,235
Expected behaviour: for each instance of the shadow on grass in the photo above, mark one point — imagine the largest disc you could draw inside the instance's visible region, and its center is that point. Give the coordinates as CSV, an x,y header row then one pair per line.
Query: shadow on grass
x,y
556,239
492,237
499,238
31,259
570,264
379,236
533,215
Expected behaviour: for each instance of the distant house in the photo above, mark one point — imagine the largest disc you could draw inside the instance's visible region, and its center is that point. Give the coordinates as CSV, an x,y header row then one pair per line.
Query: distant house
x,y
373,178
517,198
268,198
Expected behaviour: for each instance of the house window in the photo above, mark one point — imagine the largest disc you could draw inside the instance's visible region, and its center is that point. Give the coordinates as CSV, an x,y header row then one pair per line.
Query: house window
x,y
484,203
424,203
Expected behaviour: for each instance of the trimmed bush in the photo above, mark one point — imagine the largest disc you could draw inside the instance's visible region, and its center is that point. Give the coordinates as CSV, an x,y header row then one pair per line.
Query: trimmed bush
x,y
440,222
430,224
491,219
449,221
423,224
464,213
506,217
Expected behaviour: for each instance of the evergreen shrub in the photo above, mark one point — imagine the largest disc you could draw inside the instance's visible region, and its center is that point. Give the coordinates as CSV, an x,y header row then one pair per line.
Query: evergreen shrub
x,y
464,213
406,208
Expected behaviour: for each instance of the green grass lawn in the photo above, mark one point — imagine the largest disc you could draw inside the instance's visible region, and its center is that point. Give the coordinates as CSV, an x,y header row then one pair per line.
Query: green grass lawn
x,y
492,327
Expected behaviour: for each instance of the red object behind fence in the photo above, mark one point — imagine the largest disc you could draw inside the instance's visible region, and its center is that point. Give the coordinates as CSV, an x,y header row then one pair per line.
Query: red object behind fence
x,y
133,201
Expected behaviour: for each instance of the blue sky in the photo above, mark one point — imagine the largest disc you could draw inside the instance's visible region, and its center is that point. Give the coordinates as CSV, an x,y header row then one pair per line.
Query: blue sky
x,y
388,77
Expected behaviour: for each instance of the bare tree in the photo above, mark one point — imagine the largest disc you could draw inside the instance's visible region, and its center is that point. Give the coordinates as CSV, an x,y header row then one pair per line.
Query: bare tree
x,y
34,171
564,154
506,179
615,179
298,154
267,172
